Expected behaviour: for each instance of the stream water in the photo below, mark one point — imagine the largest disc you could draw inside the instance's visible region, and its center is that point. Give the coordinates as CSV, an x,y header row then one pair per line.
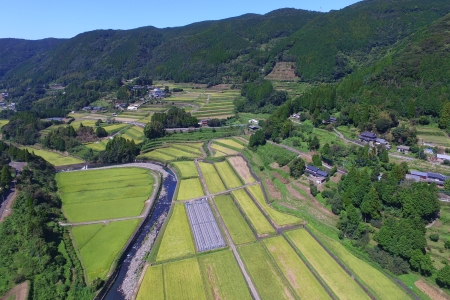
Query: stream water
x,y
152,224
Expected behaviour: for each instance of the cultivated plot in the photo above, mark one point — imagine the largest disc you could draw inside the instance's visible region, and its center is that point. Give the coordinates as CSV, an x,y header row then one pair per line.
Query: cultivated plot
x,y
157,155
240,165
212,179
279,218
223,277
258,220
231,143
295,271
177,239
238,228
183,280
227,174
54,158
190,189
223,149
104,194
380,284
99,146
330,271
186,169
188,148
207,234
99,245
152,286
114,128
3,123
268,281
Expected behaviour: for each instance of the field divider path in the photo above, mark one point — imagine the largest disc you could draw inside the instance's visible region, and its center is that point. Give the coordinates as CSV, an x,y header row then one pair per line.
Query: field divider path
x,y
148,203
249,281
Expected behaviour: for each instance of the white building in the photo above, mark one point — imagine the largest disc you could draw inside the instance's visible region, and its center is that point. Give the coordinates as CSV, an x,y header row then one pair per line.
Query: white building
x,y
253,121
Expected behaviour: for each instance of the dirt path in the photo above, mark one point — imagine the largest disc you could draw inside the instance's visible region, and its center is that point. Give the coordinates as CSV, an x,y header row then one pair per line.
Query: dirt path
x,y
431,291
20,291
6,206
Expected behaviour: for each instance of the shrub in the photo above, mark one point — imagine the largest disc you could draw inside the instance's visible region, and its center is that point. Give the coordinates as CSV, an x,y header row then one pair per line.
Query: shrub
x,y
434,237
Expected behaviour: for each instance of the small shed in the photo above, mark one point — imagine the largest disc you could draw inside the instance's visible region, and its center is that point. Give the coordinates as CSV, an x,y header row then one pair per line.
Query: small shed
x,y
442,157
403,149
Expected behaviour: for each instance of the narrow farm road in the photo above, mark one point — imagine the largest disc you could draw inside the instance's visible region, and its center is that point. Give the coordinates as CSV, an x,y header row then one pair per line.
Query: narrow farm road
x,y
5,206
224,228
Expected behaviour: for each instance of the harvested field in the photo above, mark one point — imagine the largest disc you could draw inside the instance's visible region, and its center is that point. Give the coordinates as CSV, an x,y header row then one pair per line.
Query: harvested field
x,y
227,174
238,228
383,287
223,149
222,275
283,71
212,179
268,281
336,278
104,194
294,269
240,165
177,239
281,219
190,189
183,280
19,292
54,158
100,244
187,169
207,234
152,286
258,220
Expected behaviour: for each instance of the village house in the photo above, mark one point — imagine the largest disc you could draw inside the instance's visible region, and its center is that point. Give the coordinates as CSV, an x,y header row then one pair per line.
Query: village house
x,y
330,120
253,121
367,136
403,149
379,141
428,177
317,173
442,157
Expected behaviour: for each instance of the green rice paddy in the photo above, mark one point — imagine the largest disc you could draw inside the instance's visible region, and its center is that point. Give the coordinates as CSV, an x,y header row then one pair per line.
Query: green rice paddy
x,y
189,189
212,179
54,158
187,169
183,280
227,174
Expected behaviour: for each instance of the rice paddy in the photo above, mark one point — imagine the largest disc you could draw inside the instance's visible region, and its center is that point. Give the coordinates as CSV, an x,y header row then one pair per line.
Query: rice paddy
x,y
335,277
227,174
264,273
223,277
99,146
114,128
231,143
186,169
190,189
100,244
238,228
258,220
104,194
177,240
295,271
174,152
134,133
3,123
152,286
281,219
213,181
183,280
54,158
223,149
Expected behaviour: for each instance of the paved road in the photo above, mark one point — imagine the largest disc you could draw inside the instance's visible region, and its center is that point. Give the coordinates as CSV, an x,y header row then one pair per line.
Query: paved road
x,y
12,195
230,241
148,203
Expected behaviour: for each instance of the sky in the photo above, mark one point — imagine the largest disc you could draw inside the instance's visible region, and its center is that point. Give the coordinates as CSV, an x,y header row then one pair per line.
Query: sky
x,y
32,19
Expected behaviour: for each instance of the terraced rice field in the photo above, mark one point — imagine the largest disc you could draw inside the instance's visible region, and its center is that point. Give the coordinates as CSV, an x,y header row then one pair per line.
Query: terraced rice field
x,y
212,179
152,286
231,143
177,240
99,146
135,133
335,277
183,280
54,158
104,194
227,174
157,155
175,152
189,150
281,219
100,244
114,128
186,169
295,271
380,284
86,123
238,228
223,149
240,165
258,220
267,279
223,277
3,123
190,189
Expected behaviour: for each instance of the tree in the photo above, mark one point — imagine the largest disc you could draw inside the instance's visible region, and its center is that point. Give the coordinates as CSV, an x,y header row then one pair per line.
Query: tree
x,y
382,125
154,129
371,205
101,132
447,244
317,161
434,237
314,143
5,177
444,121
297,167
98,122
443,276
257,139
447,185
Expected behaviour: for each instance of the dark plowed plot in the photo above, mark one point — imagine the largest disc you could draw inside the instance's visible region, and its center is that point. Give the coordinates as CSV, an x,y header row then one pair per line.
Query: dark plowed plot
x,y
207,234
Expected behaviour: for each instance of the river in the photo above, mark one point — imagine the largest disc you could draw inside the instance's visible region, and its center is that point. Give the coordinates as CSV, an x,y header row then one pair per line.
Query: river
x,y
120,287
